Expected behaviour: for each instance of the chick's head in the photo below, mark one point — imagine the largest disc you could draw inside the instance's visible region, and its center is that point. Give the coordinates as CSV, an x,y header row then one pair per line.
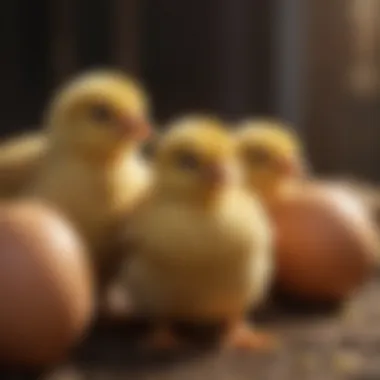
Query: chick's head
x,y
99,113
196,158
270,153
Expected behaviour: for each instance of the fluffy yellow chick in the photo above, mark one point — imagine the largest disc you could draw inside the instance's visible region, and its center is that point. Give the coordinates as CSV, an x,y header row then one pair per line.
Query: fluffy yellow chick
x,y
20,158
202,244
271,154
93,171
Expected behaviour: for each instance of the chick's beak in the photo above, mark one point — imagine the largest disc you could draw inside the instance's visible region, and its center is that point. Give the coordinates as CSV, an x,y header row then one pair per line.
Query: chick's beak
x,y
215,174
292,167
134,127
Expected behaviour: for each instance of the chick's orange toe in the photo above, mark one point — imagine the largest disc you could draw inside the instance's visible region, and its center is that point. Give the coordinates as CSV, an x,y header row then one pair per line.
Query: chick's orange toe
x,y
161,339
245,337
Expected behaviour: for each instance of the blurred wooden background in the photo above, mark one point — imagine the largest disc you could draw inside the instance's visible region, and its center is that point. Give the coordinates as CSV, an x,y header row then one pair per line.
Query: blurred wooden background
x,y
315,63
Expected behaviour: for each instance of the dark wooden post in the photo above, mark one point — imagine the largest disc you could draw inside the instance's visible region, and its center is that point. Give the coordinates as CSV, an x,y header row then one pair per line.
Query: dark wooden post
x,y
10,66
63,39
127,18
244,53
211,56
289,25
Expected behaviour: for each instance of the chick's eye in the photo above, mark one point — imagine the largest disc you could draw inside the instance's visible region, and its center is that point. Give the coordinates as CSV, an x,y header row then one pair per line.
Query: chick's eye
x,y
257,156
187,161
101,113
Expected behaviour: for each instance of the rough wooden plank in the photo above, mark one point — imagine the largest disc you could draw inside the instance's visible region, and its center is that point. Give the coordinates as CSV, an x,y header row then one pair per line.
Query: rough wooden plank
x,y
317,346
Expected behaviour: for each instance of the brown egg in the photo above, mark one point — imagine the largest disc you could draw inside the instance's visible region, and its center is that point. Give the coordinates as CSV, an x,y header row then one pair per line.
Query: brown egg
x,y
326,242
46,289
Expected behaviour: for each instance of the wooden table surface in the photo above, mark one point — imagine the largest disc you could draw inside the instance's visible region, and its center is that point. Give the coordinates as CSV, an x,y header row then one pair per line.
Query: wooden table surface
x,y
343,345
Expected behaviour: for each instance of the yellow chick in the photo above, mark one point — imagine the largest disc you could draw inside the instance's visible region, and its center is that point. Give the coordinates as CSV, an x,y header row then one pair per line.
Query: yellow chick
x,y
93,170
202,244
271,154
20,158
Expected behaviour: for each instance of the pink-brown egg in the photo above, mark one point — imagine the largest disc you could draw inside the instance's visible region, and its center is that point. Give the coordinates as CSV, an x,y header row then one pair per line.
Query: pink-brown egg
x,y
46,287
326,242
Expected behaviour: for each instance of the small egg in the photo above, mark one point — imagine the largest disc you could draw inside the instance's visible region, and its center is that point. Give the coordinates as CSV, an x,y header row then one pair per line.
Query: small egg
x,y
326,242
46,285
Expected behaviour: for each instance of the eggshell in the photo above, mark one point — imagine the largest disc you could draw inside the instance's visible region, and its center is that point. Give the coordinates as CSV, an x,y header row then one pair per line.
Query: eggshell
x,y
46,287
326,242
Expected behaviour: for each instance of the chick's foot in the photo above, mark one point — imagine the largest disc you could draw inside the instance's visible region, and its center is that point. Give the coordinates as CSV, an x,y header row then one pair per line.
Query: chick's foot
x,y
162,338
245,337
